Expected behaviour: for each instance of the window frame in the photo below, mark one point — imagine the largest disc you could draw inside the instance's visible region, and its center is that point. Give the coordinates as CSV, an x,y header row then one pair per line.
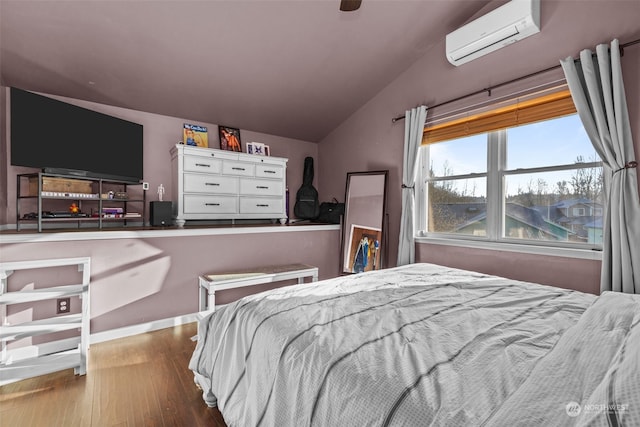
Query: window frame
x,y
495,221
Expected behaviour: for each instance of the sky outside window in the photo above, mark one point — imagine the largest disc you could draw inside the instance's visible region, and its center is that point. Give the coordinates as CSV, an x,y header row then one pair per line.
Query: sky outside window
x,y
553,142
459,156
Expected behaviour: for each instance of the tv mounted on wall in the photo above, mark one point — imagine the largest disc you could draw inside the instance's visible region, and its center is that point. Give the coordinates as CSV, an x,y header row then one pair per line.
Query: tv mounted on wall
x,y
62,138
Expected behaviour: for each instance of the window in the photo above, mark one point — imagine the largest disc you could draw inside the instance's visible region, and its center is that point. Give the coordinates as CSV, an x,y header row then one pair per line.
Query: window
x,y
579,212
535,182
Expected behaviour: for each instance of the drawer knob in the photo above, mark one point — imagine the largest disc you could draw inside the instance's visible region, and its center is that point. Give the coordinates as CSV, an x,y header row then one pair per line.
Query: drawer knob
x,y
262,187
262,205
237,169
212,183
203,164
269,171
212,204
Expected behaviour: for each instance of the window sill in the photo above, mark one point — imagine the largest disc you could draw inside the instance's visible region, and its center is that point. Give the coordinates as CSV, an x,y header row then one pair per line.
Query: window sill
x,y
590,254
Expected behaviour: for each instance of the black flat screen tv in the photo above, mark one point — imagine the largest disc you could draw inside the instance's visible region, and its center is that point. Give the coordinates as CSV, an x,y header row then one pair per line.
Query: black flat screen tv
x,y
62,138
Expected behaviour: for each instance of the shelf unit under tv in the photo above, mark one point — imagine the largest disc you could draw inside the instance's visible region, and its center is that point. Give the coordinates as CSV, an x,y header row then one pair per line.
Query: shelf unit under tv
x,y
93,196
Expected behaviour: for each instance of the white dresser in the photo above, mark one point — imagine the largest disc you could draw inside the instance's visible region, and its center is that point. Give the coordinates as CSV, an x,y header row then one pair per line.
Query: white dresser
x,y
210,184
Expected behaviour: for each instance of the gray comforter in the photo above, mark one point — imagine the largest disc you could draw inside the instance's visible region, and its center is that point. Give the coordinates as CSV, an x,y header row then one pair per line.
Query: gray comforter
x,y
422,345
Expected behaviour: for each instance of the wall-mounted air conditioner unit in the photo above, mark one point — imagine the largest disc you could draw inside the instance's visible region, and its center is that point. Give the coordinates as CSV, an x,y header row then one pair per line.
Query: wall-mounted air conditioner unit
x,y
503,26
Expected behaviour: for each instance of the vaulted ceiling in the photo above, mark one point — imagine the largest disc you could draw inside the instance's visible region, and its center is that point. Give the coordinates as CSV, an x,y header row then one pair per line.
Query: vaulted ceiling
x,y
293,68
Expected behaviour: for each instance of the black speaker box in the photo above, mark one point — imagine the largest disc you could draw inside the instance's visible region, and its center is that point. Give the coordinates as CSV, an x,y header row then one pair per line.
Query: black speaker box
x,y
160,214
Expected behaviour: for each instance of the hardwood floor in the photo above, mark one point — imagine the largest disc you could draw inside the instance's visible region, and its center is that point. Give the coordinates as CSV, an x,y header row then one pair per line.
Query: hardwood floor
x,y
142,380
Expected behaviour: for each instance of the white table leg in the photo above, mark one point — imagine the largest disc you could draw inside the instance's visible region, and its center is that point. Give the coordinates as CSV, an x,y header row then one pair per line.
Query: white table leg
x,y
212,299
314,277
202,295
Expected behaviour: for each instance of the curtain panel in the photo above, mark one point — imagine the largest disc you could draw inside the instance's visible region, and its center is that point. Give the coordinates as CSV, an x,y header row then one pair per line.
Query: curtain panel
x,y
598,92
413,129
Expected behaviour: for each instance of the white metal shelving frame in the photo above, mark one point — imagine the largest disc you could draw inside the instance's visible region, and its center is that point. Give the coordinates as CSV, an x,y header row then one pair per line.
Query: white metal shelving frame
x,y
76,358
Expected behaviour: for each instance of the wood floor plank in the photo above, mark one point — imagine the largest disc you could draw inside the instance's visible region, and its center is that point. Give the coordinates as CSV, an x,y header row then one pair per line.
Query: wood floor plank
x,y
136,381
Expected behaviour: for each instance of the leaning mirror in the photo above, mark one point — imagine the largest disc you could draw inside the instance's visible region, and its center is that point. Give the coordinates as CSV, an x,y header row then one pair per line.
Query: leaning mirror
x,y
363,247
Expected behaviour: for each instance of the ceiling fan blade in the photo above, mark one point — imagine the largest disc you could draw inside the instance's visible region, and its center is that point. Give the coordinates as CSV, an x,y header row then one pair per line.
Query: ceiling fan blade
x,y
349,5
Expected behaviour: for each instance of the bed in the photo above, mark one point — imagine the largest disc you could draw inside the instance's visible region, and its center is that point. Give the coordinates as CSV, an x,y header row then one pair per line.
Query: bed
x,y
422,345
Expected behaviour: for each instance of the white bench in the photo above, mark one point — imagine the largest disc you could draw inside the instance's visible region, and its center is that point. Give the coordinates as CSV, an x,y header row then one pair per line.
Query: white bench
x,y
208,284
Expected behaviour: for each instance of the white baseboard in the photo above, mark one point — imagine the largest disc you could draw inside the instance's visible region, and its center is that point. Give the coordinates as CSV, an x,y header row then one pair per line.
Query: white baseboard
x,y
141,328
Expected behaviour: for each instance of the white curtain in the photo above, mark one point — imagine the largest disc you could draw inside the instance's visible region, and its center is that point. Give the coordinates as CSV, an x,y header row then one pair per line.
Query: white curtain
x,y
598,92
413,127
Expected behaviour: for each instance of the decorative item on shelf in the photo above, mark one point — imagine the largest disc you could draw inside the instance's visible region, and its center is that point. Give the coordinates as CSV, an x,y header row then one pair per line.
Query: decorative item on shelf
x,y
195,135
160,192
121,195
258,148
230,139
57,187
112,212
74,209
363,248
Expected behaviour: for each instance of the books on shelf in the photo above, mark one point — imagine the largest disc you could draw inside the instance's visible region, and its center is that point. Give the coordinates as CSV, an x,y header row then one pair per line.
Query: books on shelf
x,y
108,210
117,213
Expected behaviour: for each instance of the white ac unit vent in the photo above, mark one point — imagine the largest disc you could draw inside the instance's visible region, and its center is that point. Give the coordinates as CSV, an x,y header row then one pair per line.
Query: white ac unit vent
x,y
501,27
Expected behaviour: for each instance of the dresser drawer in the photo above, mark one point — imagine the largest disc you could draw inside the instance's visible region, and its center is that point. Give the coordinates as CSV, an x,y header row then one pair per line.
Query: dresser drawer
x,y
269,171
261,187
238,168
195,204
202,164
261,205
200,183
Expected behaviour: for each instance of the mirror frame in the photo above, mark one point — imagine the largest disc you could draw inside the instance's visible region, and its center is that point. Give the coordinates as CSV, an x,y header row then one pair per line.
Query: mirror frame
x,y
379,259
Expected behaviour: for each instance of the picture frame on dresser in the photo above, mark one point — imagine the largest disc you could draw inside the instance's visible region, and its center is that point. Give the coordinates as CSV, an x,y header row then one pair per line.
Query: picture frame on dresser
x,y
230,139
195,135
258,149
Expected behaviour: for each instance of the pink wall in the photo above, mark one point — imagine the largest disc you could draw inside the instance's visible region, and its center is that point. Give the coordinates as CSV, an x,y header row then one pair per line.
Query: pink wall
x,y
369,140
141,280
579,274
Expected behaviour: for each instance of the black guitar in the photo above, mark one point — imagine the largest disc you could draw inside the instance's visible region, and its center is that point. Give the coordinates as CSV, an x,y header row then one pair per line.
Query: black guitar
x,y
307,205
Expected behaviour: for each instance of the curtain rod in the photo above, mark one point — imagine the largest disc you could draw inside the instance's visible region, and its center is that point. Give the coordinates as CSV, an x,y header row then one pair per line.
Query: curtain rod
x,y
490,88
